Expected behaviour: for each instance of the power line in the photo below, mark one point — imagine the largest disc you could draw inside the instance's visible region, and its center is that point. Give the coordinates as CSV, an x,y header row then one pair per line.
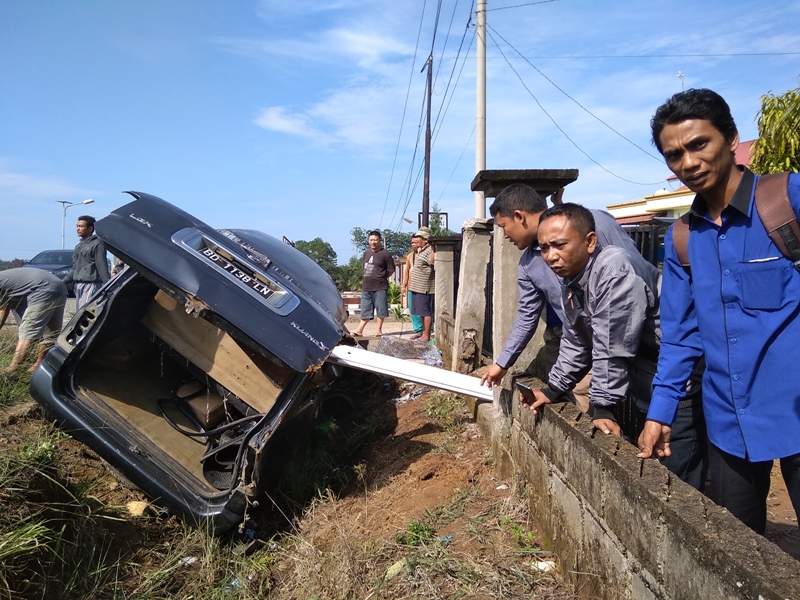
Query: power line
x,y
403,119
520,5
564,133
553,83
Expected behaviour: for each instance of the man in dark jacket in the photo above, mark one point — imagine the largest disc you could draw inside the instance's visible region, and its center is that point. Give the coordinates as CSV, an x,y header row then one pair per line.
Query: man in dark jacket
x,y
89,263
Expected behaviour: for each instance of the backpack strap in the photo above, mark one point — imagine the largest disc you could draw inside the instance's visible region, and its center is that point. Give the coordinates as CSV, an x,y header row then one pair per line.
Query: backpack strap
x,y
680,238
777,214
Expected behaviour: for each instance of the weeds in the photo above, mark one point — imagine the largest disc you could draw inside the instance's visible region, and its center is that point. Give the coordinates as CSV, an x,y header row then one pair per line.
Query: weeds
x,y
61,536
13,386
417,534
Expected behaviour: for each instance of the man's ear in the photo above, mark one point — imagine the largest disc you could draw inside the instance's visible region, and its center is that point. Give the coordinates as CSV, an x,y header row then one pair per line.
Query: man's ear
x,y
520,216
591,242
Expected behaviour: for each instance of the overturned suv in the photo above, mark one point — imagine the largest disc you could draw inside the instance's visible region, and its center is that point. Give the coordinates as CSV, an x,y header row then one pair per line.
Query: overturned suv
x,y
182,367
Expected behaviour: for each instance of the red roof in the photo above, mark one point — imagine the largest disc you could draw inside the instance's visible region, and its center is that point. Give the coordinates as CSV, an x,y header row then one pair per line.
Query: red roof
x,y
639,218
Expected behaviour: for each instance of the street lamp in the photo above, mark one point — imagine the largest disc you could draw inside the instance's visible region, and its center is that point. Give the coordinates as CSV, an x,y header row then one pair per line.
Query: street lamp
x,y
64,206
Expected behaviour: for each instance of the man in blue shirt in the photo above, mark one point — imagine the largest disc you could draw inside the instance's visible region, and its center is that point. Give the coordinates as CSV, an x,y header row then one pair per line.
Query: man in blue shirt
x,y
737,304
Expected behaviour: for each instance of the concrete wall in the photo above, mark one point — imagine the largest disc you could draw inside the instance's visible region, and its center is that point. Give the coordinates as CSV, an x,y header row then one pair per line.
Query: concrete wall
x,y
621,527
625,528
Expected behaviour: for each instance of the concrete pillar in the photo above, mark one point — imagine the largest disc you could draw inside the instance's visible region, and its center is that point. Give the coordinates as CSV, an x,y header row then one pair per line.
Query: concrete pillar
x,y
472,293
445,276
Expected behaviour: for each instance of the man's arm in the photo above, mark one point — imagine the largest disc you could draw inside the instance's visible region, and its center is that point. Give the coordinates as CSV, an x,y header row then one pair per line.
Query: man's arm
x,y
681,346
529,310
573,363
407,272
101,262
4,310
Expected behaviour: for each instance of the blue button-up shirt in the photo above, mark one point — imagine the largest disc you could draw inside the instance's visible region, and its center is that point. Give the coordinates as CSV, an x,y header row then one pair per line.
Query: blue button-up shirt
x,y
738,304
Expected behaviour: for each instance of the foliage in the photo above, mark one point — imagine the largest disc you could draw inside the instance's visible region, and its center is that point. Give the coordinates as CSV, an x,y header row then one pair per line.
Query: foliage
x,y
320,251
12,264
394,294
437,223
349,277
417,533
778,145
398,243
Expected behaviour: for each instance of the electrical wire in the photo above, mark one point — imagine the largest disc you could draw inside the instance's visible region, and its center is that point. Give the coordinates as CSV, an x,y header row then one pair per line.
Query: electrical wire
x,y
564,133
590,113
403,118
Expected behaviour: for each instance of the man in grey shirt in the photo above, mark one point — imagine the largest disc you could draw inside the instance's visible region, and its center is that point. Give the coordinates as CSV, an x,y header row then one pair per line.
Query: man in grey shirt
x,y
516,210
609,300
37,299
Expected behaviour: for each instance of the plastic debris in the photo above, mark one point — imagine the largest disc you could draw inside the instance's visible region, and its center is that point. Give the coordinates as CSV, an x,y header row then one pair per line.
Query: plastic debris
x,y
433,356
410,395
546,566
187,560
395,569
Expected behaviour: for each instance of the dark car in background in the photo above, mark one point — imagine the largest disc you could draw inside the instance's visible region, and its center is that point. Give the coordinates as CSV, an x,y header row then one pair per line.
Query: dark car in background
x,y
58,262
181,369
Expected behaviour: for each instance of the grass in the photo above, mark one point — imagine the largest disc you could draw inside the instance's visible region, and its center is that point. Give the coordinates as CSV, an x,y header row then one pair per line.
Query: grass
x,y
60,537
13,387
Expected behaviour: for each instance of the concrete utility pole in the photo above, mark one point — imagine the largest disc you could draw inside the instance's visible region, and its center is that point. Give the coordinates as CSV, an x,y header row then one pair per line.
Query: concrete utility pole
x,y
426,185
480,107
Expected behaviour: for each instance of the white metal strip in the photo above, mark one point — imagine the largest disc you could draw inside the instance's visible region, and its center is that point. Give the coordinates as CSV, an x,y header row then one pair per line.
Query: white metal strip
x,y
358,358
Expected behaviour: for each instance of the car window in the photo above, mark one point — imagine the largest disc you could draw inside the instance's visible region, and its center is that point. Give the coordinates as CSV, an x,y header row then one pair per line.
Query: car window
x,y
52,257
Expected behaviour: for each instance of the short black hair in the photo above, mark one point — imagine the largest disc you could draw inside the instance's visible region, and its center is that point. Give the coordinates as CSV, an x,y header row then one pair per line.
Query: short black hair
x,y
517,196
694,104
89,220
580,217
375,232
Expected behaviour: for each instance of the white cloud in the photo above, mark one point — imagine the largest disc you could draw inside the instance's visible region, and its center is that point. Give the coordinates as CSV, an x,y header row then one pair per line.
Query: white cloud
x,y
277,118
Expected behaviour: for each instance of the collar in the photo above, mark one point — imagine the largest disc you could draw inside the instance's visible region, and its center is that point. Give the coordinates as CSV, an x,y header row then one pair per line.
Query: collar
x,y
740,200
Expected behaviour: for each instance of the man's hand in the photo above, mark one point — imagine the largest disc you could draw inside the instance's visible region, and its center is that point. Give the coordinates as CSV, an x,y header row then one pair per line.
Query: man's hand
x,y
607,426
539,400
654,440
493,376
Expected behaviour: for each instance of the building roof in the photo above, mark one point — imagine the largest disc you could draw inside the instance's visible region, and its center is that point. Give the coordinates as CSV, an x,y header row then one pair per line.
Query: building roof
x,y
637,220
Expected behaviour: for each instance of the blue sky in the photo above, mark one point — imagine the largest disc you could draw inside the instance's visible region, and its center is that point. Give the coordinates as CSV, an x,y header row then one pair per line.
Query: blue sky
x,y
302,118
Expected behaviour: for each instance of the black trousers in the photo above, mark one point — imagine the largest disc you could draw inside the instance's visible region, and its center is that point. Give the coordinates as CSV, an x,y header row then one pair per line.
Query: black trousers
x,y
742,486
689,441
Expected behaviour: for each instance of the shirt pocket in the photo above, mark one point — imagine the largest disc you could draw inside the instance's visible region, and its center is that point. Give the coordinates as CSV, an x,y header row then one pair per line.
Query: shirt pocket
x,y
763,284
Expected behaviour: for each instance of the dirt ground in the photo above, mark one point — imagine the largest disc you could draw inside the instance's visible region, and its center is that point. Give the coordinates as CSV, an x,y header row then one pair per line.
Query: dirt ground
x,y
420,467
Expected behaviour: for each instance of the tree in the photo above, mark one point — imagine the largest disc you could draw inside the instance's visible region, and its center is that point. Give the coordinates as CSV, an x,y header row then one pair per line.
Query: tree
x,y
321,252
437,224
778,145
398,243
350,276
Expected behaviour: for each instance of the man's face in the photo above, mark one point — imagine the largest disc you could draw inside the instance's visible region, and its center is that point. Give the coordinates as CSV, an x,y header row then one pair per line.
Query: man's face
x,y
414,243
564,248
84,229
521,228
698,154
374,243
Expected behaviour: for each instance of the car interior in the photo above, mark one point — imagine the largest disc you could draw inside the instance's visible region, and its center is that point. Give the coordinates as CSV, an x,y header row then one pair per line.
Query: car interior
x,y
186,391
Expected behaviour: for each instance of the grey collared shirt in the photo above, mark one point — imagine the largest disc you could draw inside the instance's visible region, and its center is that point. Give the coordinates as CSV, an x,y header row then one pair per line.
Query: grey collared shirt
x,y
610,327
538,284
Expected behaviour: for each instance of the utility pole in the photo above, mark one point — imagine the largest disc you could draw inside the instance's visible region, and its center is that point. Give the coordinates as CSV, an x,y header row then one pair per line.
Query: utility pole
x,y
480,107
426,185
